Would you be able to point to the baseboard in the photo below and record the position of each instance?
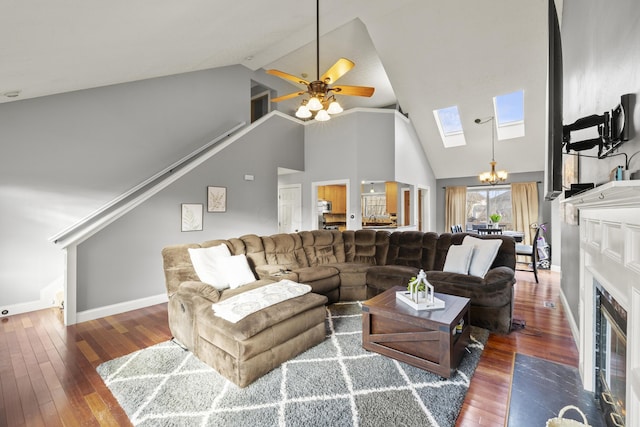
(556, 268)
(110, 310)
(23, 307)
(569, 316)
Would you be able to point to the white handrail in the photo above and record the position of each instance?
(100, 211)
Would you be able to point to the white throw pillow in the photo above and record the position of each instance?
(485, 251)
(236, 270)
(458, 259)
(204, 263)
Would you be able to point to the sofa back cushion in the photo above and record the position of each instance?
(405, 248)
(251, 246)
(429, 248)
(323, 246)
(286, 250)
(360, 246)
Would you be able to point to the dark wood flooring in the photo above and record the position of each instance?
(48, 377)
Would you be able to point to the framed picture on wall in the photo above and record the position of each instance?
(192, 216)
(216, 199)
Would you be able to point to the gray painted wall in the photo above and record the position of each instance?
(601, 61)
(64, 156)
(123, 262)
(360, 146)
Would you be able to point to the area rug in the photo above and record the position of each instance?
(336, 383)
(541, 388)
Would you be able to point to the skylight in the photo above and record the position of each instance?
(450, 126)
(509, 110)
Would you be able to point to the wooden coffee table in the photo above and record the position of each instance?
(427, 339)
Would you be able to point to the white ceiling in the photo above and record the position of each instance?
(423, 54)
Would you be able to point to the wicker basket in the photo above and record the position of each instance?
(559, 421)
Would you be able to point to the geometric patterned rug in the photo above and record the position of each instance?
(336, 383)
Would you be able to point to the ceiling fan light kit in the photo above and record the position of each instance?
(321, 101)
(492, 177)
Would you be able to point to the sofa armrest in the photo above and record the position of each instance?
(192, 289)
(499, 276)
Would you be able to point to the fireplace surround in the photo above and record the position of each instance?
(610, 265)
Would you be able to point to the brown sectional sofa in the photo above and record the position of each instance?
(339, 266)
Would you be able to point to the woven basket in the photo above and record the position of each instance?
(559, 421)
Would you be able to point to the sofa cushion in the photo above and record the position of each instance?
(236, 270)
(385, 277)
(258, 321)
(483, 254)
(323, 246)
(360, 246)
(405, 248)
(207, 268)
(285, 250)
(458, 259)
(312, 274)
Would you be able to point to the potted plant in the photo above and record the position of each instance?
(495, 219)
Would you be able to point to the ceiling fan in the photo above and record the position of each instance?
(322, 95)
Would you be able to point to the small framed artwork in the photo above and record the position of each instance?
(192, 216)
(216, 199)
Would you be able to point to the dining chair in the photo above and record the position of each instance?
(530, 251)
(456, 228)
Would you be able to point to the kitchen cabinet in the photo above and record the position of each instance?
(391, 192)
(337, 195)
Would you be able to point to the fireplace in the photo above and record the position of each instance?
(611, 356)
(608, 328)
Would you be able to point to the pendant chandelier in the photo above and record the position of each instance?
(492, 177)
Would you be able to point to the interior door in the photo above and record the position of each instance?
(290, 208)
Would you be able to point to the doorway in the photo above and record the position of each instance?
(289, 208)
(336, 193)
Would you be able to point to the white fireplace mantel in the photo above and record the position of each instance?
(610, 254)
(613, 194)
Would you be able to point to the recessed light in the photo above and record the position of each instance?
(12, 94)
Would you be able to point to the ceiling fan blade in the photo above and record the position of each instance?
(287, 76)
(289, 96)
(354, 90)
(337, 70)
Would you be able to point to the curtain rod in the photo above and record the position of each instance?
(480, 185)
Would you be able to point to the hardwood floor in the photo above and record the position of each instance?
(48, 377)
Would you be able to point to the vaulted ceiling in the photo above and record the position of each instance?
(422, 55)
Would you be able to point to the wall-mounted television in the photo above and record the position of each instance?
(553, 181)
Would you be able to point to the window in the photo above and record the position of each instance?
(509, 110)
(450, 126)
(484, 201)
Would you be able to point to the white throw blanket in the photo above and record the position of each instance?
(240, 306)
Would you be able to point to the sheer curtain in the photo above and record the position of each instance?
(455, 207)
(524, 205)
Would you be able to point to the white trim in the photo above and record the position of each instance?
(79, 225)
(110, 310)
(24, 307)
(70, 283)
(573, 324)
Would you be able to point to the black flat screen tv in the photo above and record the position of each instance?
(553, 181)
